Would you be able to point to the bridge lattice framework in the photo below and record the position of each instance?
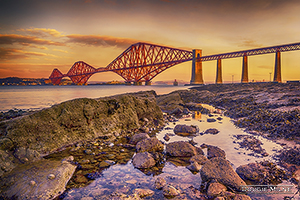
(141, 62)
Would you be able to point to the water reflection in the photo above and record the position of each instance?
(196, 115)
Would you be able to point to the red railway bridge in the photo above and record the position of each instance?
(141, 62)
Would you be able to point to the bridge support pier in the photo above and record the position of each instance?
(219, 72)
(245, 70)
(148, 83)
(137, 83)
(197, 77)
(127, 83)
(277, 73)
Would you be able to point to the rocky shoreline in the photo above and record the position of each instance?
(88, 136)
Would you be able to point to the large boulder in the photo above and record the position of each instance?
(143, 160)
(43, 179)
(138, 137)
(220, 169)
(149, 145)
(262, 173)
(182, 149)
(186, 130)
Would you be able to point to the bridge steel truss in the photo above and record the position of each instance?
(141, 62)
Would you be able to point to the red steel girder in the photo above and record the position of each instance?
(80, 72)
(142, 61)
(56, 77)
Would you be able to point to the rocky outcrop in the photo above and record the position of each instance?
(263, 173)
(220, 169)
(186, 130)
(76, 120)
(43, 179)
(170, 102)
(143, 160)
(182, 149)
(149, 145)
(138, 137)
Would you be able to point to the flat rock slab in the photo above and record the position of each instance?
(43, 179)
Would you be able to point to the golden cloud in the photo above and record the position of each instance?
(26, 40)
(10, 53)
(97, 40)
(42, 32)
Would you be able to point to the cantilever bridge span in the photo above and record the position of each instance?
(141, 62)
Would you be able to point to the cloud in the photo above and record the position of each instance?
(11, 54)
(97, 40)
(42, 32)
(26, 40)
(60, 50)
(249, 43)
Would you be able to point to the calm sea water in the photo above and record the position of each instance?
(37, 97)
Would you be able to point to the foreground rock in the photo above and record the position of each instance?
(170, 191)
(143, 192)
(262, 173)
(143, 160)
(212, 131)
(200, 159)
(214, 189)
(182, 149)
(220, 169)
(77, 120)
(185, 130)
(38, 180)
(138, 137)
(214, 151)
(149, 145)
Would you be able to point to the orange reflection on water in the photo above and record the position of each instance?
(197, 115)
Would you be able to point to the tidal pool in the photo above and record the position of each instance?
(124, 178)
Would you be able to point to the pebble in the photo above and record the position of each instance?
(51, 176)
(32, 183)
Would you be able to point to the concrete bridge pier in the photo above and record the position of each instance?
(148, 83)
(197, 77)
(219, 72)
(245, 70)
(277, 73)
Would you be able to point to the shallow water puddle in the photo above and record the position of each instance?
(125, 178)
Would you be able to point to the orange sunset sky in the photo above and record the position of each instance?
(37, 36)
